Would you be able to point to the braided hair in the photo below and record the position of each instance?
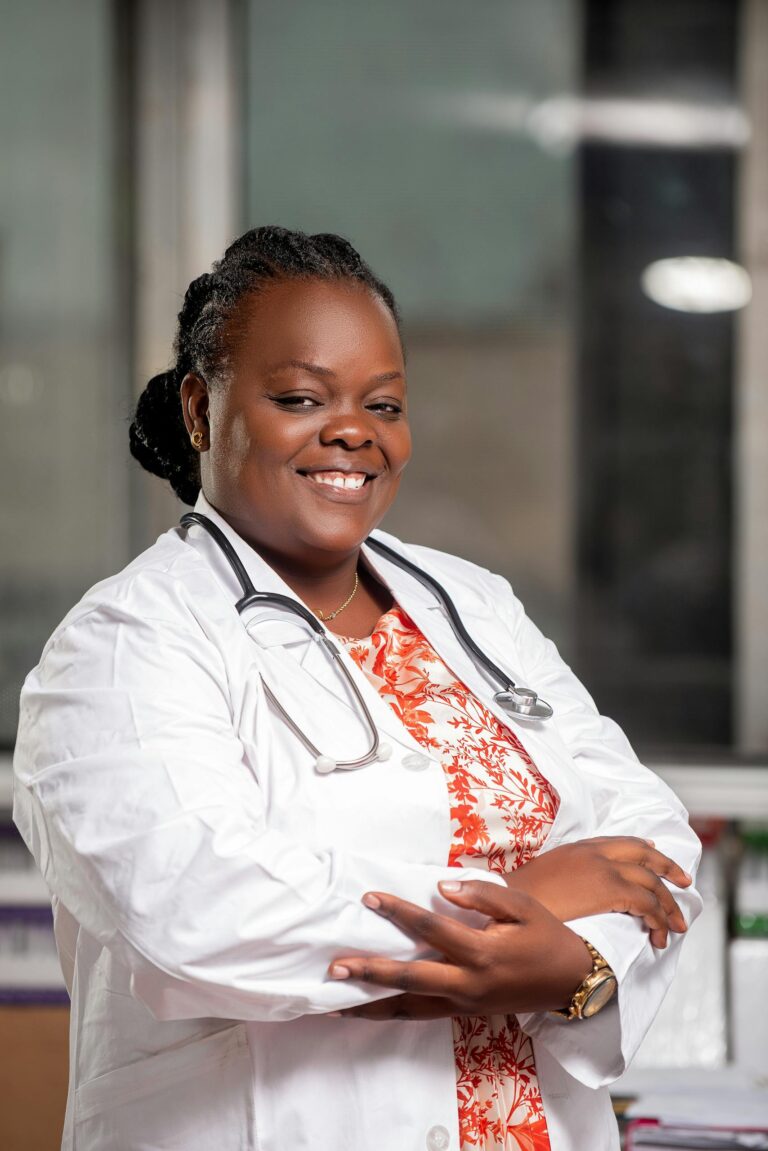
(158, 435)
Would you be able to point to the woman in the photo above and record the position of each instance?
(264, 952)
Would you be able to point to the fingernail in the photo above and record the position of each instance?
(450, 885)
(372, 901)
(651, 842)
(688, 876)
(339, 972)
(333, 1014)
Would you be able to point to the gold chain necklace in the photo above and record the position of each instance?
(325, 616)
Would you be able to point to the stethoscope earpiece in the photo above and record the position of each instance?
(324, 765)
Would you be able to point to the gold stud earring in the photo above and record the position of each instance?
(198, 439)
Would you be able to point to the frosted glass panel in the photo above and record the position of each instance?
(412, 130)
(63, 391)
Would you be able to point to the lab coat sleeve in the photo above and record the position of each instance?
(132, 792)
(628, 799)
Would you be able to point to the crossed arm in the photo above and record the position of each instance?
(524, 959)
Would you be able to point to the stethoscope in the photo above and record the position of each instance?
(521, 702)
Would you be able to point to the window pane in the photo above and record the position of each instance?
(568, 432)
(63, 388)
(423, 134)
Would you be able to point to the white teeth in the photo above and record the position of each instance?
(338, 480)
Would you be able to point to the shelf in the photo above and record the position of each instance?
(24, 888)
(6, 783)
(720, 790)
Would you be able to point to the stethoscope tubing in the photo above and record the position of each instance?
(521, 701)
(251, 596)
(465, 639)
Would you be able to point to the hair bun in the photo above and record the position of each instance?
(158, 436)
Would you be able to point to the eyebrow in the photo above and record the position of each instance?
(328, 373)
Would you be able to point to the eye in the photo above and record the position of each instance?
(386, 408)
(300, 403)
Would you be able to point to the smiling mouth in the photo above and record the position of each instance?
(340, 481)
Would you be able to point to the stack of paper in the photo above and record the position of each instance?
(708, 1118)
(643, 1133)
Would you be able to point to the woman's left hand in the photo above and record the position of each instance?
(523, 959)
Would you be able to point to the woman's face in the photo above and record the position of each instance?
(308, 434)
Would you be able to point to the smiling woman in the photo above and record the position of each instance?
(292, 381)
(303, 458)
(457, 945)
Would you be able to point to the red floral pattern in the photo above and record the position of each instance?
(501, 813)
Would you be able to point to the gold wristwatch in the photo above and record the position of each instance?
(594, 992)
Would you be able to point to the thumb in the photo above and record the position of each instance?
(493, 900)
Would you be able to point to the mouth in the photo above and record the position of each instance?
(338, 484)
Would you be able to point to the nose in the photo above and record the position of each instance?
(350, 429)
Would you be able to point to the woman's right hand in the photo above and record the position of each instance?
(608, 873)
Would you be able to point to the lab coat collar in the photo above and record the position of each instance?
(405, 588)
(290, 642)
(263, 577)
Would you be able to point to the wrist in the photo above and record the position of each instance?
(569, 966)
(594, 992)
(517, 881)
(577, 965)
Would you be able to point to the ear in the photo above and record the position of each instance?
(194, 402)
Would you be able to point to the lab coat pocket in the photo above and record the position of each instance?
(196, 1096)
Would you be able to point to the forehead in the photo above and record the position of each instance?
(335, 323)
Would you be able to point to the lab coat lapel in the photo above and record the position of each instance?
(540, 740)
(299, 668)
(430, 617)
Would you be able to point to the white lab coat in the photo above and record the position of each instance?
(204, 875)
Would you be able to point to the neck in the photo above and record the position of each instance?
(323, 580)
(321, 591)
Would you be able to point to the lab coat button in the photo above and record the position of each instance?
(438, 1138)
(416, 762)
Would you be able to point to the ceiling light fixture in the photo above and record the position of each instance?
(697, 284)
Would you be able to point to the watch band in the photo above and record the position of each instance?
(594, 991)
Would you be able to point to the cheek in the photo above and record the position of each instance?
(234, 447)
(399, 456)
(402, 452)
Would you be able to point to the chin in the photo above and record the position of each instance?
(339, 543)
(339, 538)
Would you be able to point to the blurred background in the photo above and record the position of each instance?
(569, 199)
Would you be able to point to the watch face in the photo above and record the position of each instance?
(599, 996)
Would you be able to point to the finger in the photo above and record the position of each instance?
(499, 903)
(671, 909)
(404, 1007)
(423, 976)
(455, 940)
(635, 850)
(659, 939)
(637, 900)
(667, 868)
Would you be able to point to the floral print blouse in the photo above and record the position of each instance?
(501, 813)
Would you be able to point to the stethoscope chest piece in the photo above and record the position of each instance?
(524, 703)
